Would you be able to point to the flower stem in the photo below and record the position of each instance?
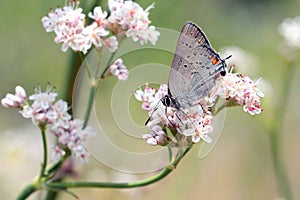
(90, 102)
(93, 85)
(73, 68)
(107, 65)
(28, 190)
(44, 164)
(275, 135)
(167, 170)
(87, 67)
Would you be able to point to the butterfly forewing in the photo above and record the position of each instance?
(207, 66)
(193, 71)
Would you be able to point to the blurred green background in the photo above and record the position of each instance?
(240, 166)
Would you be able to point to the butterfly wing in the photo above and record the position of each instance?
(194, 71)
(179, 80)
(193, 68)
(207, 67)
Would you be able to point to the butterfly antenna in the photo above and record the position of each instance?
(228, 57)
(149, 118)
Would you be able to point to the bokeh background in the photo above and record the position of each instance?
(239, 167)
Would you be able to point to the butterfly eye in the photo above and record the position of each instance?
(223, 73)
(168, 102)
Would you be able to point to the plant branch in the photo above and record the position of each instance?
(167, 170)
(45, 149)
(28, 190)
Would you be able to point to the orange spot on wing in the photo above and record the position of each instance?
(215, 60)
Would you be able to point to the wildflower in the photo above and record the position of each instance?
(156, 137)
(92, 35)
(72, 138)
(41, 106)
(42, 100)
(111, 43)
(195, 122)
(15, 101)
(119, 70)
(56, 153)
(58, 115)
(99, 16)
(191, 122)
(68, 24)
(133, 19)
(240, 90)
(55, 117)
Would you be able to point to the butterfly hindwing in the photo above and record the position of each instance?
(193, 71)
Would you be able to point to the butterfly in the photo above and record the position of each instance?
(195, 69)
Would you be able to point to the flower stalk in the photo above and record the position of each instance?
(45, 149)
(27, 191)
(167, 170)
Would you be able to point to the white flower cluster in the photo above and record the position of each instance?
(240, 90)
(196, 121)
(192, 122)
(119, 70)
(44, 111)
(68, 23)
(133, 19)
(290, 30)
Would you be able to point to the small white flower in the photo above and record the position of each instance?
(15, 101)
(191, 122)
(73, 136)
(119, 70)
(56, 153)
(133, 19)
(241, 90)
(68, 24)
(156, 137)
(141, 95)
(60, 116)
(98, 15)
(42, 100)
(111, 43)
(93, 34)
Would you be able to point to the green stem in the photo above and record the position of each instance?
(107, 65)
(44, 164)
(167, 170)
(90, 102)
(87, 67)
(28, 190)
(94, 84)
(73, 68)
(275, 135)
